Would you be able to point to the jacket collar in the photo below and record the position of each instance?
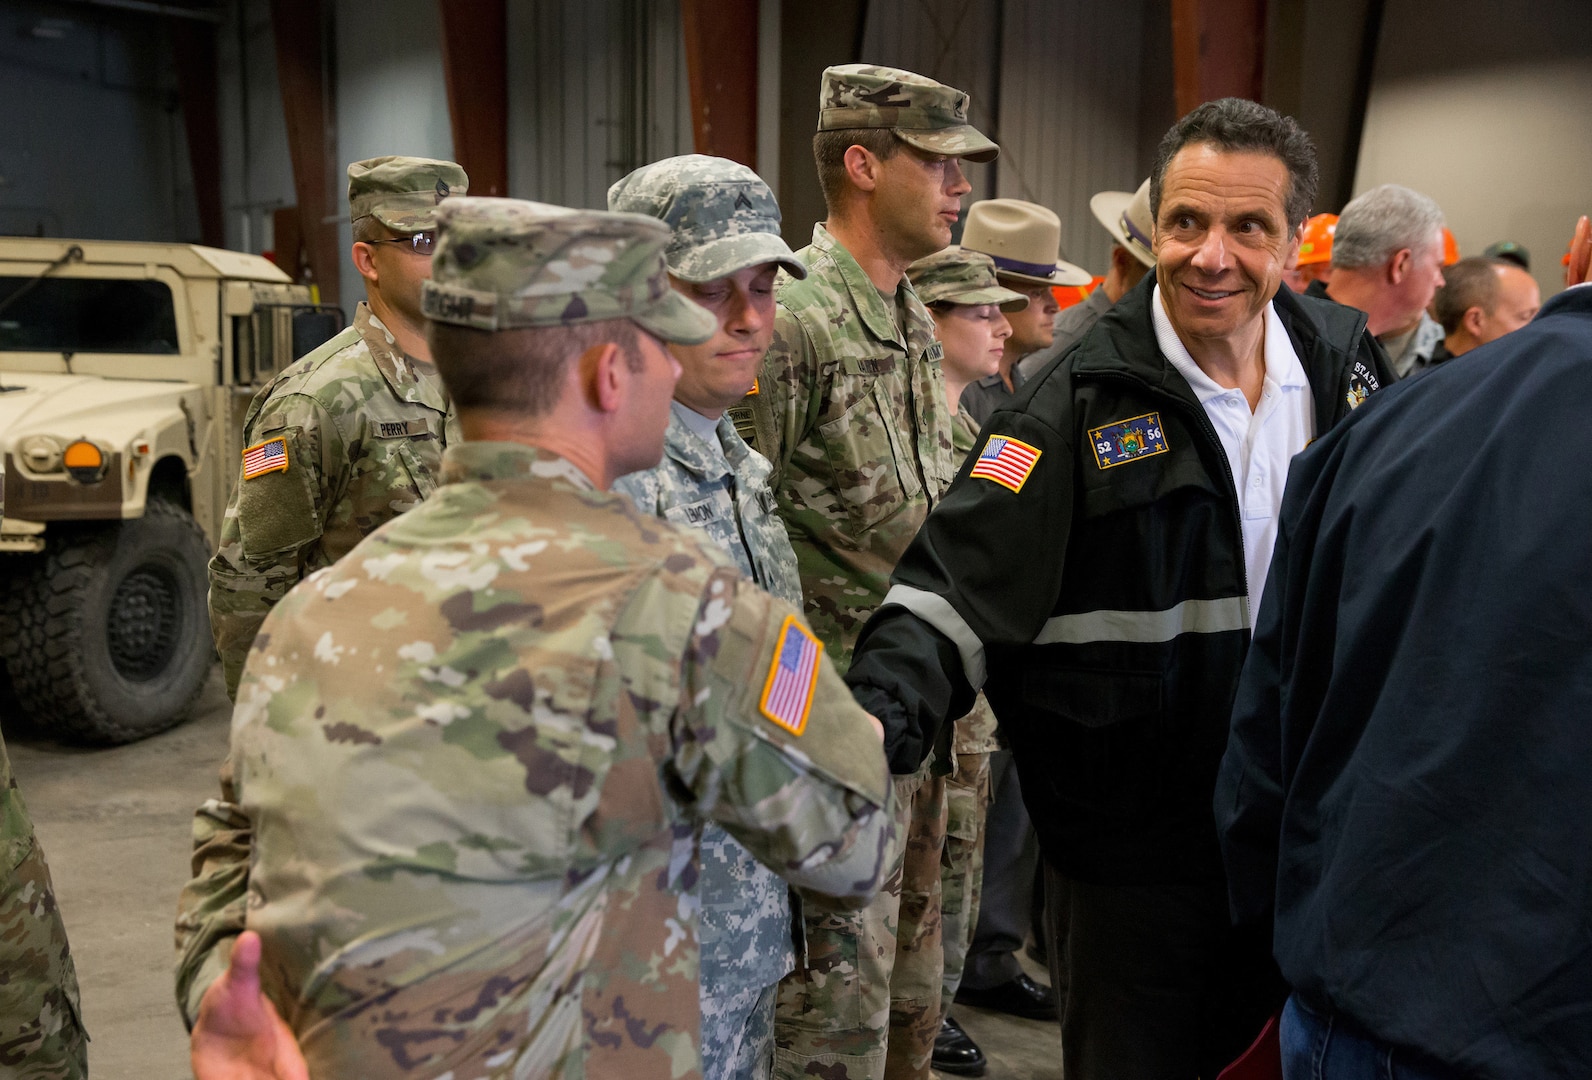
(486, 461)
(865, 297)
(409, 379)
(1577, 299)
(1325, 336)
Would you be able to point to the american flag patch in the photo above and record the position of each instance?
(788, 693)
(267, 457)
(1007, 461)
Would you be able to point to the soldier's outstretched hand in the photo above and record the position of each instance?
(239, 1035)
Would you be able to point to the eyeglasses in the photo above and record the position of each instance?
(421, 242)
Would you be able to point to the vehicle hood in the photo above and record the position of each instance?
(84, 406)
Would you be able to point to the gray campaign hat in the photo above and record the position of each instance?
(721, 215)
(402, 193)
(502, 264)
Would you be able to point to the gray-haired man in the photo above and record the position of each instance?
(724, 253)
(1387, 260)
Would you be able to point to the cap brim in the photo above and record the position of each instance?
(993, 294)
(676, 319)
(1066, 274)
(1108, 208)
(407, 221)
(729, 254)
(963, 140)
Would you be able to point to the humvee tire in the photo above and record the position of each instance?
(109, 631)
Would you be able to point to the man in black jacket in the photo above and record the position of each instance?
(1093, 569)
(1405, 791)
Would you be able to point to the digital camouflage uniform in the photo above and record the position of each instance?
(850, 409)
(362, 427)
(41, 1033)
(722, 219)
(746, 912)
(961, 276)
(549, 691)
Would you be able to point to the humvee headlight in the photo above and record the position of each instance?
(84, 461)
(41, 453)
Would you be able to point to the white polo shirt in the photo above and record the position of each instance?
(1259, 444)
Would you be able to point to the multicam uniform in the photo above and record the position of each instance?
(548, 689)
(41, 1035)
(360, 428)
(746, 916)
(851, 410)
(475, 751)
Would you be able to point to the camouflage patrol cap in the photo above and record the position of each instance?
(722, 216)
(402, 192)
(503, 264)
(928, 115)
(956, 275)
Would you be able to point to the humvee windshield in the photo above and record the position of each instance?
(85, 315)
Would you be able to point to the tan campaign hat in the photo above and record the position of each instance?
(956, 275)
(928, 115)
(1127, 217)
(502, 264)
(1024, 239)
(402, 192)
(722, 216)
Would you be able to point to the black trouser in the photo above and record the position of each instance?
(1152, 982)
(1011, 866)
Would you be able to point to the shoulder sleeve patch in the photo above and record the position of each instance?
(788, 690)
(1006, 461)
(267, 457)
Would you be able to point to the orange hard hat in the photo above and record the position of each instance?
(1316, 247)
(1450, 248)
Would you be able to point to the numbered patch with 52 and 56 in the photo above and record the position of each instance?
(1128, 440)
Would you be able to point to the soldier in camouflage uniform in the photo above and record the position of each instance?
(475, 752)
(968, 303)
(41, 1035)
(352, 434)
(723, 254)
(850, 410)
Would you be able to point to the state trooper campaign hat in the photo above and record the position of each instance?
(1024, 239)
(1127, 217)
(923, 113)
(503, 264)
(402, 193)
(956, 275)
(721, 216)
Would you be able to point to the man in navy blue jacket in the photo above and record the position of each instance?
(1407, 790)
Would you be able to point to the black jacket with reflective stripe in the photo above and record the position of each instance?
(1108, 603)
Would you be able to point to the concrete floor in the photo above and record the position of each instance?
(115, 826)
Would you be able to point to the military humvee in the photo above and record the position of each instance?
(125, 372)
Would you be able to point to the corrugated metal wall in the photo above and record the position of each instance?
(596, 88)
(1055, 82)
(953, 41)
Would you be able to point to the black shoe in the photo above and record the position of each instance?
(1021, 997)
(955, 1053)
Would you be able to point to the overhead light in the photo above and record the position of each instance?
(51, 29)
